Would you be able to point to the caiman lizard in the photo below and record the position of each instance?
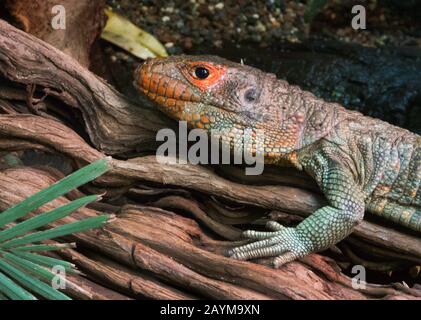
(360, 163)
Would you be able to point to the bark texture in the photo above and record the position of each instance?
(71, 26)
(173, 222)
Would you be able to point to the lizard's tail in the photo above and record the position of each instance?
(409, 217)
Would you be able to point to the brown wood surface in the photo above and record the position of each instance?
(173, 223)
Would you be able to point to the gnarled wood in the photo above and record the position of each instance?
(149, 239)
(149, 252)
(114, 124)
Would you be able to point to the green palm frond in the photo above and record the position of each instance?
(26, 274)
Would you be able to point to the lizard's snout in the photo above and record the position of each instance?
(140, 73)
(159, 85)
(147, 79)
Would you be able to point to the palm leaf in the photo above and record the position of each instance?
(45, 218)
(46, 247)
(25, 275)
(32, 268)
(32, 283)
(12, 290)
(54, 191)
(59, 231)
(45, 261)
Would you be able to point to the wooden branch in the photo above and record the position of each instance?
(114, 124)
(135, 283)
(144, 238)
(59, 137)
(165, 255)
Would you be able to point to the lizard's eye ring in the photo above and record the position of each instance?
(201, 73)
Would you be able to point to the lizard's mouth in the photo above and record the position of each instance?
(165, 90)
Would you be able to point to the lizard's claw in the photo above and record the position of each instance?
(282, 242)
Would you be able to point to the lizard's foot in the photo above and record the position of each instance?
(282, 242)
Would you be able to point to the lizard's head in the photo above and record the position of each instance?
(216, 94)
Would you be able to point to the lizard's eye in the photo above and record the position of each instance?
(201, 73)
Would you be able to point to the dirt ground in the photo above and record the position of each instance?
(183, 24)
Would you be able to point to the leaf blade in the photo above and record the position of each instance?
(30, 267)
(45, 261)
(45, 218)
(55, 190)
(12, 290)
(74, 227)
(32, 283)
(46, 247)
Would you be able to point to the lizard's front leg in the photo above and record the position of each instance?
(325, 227)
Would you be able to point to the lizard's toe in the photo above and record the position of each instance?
(260, 252)
(257, 235)
(283, 243)
(285, 258)
(253, 246)
(274, 226)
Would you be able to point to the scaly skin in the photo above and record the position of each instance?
(360, 163)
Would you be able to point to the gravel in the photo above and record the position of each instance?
(185, 24)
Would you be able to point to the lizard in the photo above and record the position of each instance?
(359, 163)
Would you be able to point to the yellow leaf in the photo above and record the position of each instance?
(128, 36)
